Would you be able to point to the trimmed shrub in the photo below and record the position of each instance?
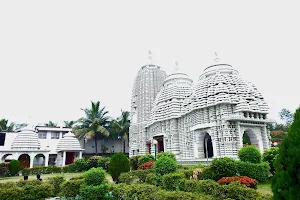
(41, 170)
(269, 156)
(188, 174)
(222, 167)
(151, 179)
(71, 188)
(14, 167)
(103, 162)
(150, 192)
(77, 177)
(244, 180)
(168, 154)
(136, 176)
(93, 161)
(249, 154)
(94, 176)
(145, 158)
(41, 191)
(56, 182)
(118, 163)
(165, 165)
(134, 162)
(171, 181)
(6, 185)
(4, 169)
(94, 192)
(147, 165)
(72, 168)
(22, 183)
(260, 171)
(11, 193)
(65, 169)
(81, 165)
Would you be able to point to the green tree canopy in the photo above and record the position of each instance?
(94, 125)
(10, 127)
(51, 124)
(286, 181)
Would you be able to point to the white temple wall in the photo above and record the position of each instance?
(112, 145)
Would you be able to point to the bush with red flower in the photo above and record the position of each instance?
(147, 165)
(244, 180)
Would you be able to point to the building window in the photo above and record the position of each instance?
(54, 135)
(42, 135)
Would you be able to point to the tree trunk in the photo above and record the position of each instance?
(96, 152)
(124, 143)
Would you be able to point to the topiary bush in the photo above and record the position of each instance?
(14, 167)
(222, 167)
(249, 154)
(134, 162)
(151, 179)
(103, 162)
(119, 163)
(71, 188)
(94, 176)
(56, 182)
(165, 165)
(94, 192)
(93, 161)
(260, 171)
(41, 191)
(145, 158)
(135, 176)
(168, 154)
(171, 181)
(269, 156)
(81, 165)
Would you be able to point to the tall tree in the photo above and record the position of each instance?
(51, 124)
(286, 116)
(69, 124)
(286, 181)
(121, 127)
(4, 126)
(94, 125)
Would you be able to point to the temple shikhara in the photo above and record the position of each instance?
(212, 118)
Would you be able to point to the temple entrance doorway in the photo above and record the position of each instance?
(39, 160)
(208, 146)
(160, 143)
(24, 160)
(250, 138)
(69, 158)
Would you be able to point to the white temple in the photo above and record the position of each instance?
(196, 122)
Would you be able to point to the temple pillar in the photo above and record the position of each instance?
(80, 154)
(64, 158)
(31, 157)
(46, 160)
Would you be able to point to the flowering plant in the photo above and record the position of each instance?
(147, 165)
(244, 180)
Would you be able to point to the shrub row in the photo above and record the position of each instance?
(135, 176)
(150, 192)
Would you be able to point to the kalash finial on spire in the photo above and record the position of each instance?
(217, 59)
(150, 57)
(176, 66)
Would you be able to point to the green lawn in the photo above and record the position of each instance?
(265, 188)
(43, 176)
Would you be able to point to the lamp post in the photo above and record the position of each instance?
(154, 143)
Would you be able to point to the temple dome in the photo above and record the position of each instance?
(220, 84)
(69, 143)
(27, 139)
(176, 87)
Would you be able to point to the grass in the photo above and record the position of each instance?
(43, 176)
(265, 187)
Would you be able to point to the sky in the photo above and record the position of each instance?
(57, 56)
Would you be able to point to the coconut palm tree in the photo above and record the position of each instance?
(121, 127)
(4, 126)
(69, 124)
(51, 124)
(94, 125)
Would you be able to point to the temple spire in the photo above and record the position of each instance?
(150, 57)
(216, 59)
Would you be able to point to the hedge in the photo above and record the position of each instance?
(233, 190)
(222, 167)
(150, 192)
(136, 176)
(260, 171)
(56, 182)
(41, 170)
(145, 158)
(94, 176)
(94, 192)
(4, 169)
(71, 188)
(171, 181)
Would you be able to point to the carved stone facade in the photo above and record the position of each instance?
(201, 121)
